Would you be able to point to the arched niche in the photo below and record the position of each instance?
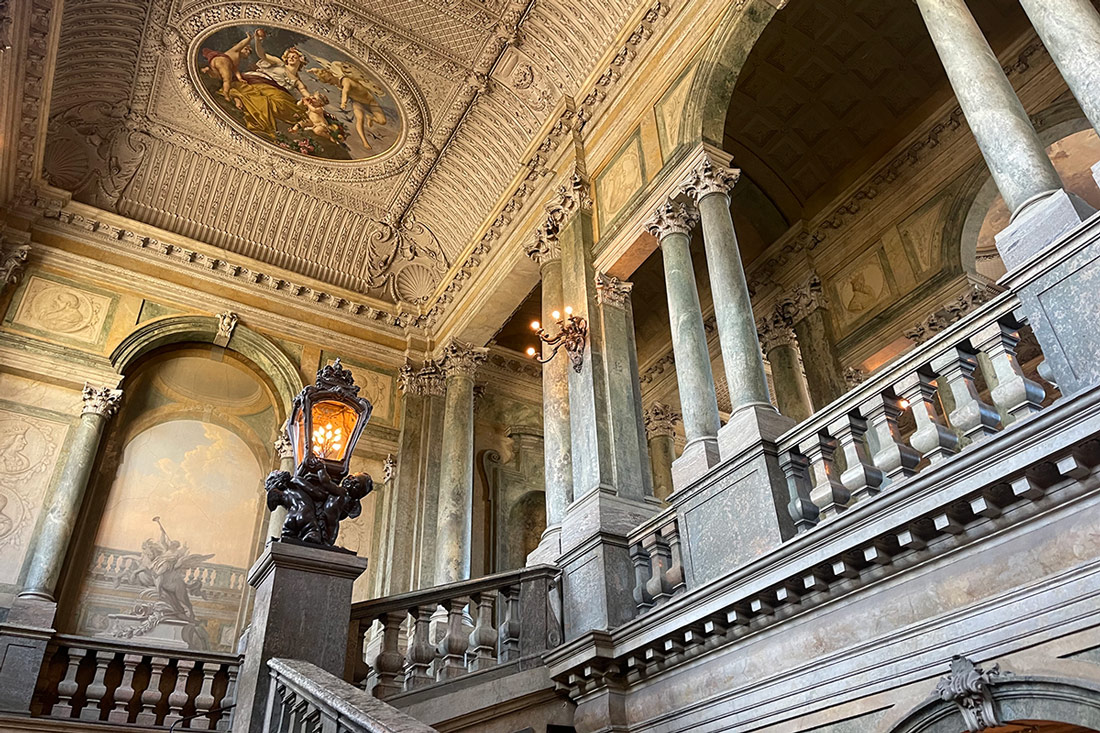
(152, 335)
(1047, 703)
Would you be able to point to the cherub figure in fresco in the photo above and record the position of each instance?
(356, 88)
(315, 117)
(226, 65)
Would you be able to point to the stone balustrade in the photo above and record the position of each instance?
(448, 631)
(118, 682)
(306, 699)
(658, 562)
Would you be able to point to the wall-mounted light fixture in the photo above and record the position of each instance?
(572, 334)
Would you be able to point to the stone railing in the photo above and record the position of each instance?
(452, 630)
(118, 682)
(306, 699)
(924, 408)
(658, 563)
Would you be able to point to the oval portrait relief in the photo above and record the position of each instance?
(298, 93)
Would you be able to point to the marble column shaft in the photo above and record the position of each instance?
(745, 376)
(1070, 30)
(456, 478)
(1012, 150)
(672, 225)
(55, 533)
(804, 311)
(781, 348)
(660, 423)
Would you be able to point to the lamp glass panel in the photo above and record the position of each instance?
(333, 427)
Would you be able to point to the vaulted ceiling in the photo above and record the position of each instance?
(448, 93)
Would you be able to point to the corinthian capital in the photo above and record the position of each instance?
(13, 261)
(660, 420)
(709, 178)
(544, 246)
(568, 198)
(612, 291)
(774, 331)
(458, 357)
(671, 218)
(427, 381)
(803, 301)
(103, 401)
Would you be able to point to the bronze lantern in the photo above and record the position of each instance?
(326, 420)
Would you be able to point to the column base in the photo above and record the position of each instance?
(1038, 223)
(302, 611)
(748, 427)
(698, 457)
(549, 548)
(24, 636)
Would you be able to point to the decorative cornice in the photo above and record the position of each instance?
(971, 689)
(978, 294)
(612, 291)
(660, 420)
(427, 381)
(460, 358)
(671, 218)
(227, 323)
(102, 401)
(803, 301)
(709, 178)
(774, 331)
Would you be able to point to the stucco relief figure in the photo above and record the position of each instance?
(257, 76)
(161, 569)
(315, 503)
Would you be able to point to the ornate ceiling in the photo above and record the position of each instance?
(179, 113)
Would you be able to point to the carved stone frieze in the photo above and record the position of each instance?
(976, 295)
(612, 291)
(103, 401)
(458, 358)
(671, 218)
(709, 178)
(661, 420)
(970, 688)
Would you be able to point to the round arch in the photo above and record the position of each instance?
(151, 335)
(1015, 698)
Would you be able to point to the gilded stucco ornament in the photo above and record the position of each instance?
(102, 401)
(671, 218)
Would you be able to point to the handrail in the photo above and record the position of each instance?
(128, 646)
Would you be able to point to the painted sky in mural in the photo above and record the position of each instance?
(298, 93)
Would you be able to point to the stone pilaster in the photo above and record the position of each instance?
(458, 361)
(780, 347)
(284, 452)
(660, 426)
(610, 480)
(672, 225)
(558, 455)
(1032, 189)
(804, 310)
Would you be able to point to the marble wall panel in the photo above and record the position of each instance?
(669, 109)
(620, 180)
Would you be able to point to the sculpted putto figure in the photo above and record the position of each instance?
(315, 504)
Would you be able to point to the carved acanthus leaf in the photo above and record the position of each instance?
(971, 689)
(709, 178)
(803, 301)
(460, 358)
(612, 291)
(102, 401)
(671, 218)
(660, 420)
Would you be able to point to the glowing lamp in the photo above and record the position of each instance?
(326, 420)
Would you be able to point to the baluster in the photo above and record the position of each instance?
(483, 639)
(862, 479)
(932, 439)
(510, 628)
(1015, 395)
(674, 576)
(68, 686)
(802, 510)
(178, 697)
(151, 696)
(972, 419)
(97, 690)
(390, 661)
(120, 712)
(659, 559)
(204, 701)
(225, 722)
(829, 495)
(894, 458)
(420, 653)
(453, 645)
(640, 559)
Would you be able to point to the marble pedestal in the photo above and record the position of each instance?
(739, 511)
(302, 611)
(23, 639)
(1038, 224)
(549, 548)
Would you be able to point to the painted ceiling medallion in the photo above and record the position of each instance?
(297, 93)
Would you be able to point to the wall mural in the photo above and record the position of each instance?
(298, 93)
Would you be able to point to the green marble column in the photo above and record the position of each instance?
(804, 310)
(660, 425)
(52, 541)
(672, 225)
(780, 346)
(454, 519)
(558, 453)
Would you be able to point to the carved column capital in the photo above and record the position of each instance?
(803, 301)
(612, 291)
(13, 261)
(774, 331)
(427, 381)
(460, 358)
(283, 449)
(567, 199)
(102, 401)
(708, 178)
(660, 420)
(671, 218)
(544, 246)
(389, 468)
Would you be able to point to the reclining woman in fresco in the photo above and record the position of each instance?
(354, 86)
